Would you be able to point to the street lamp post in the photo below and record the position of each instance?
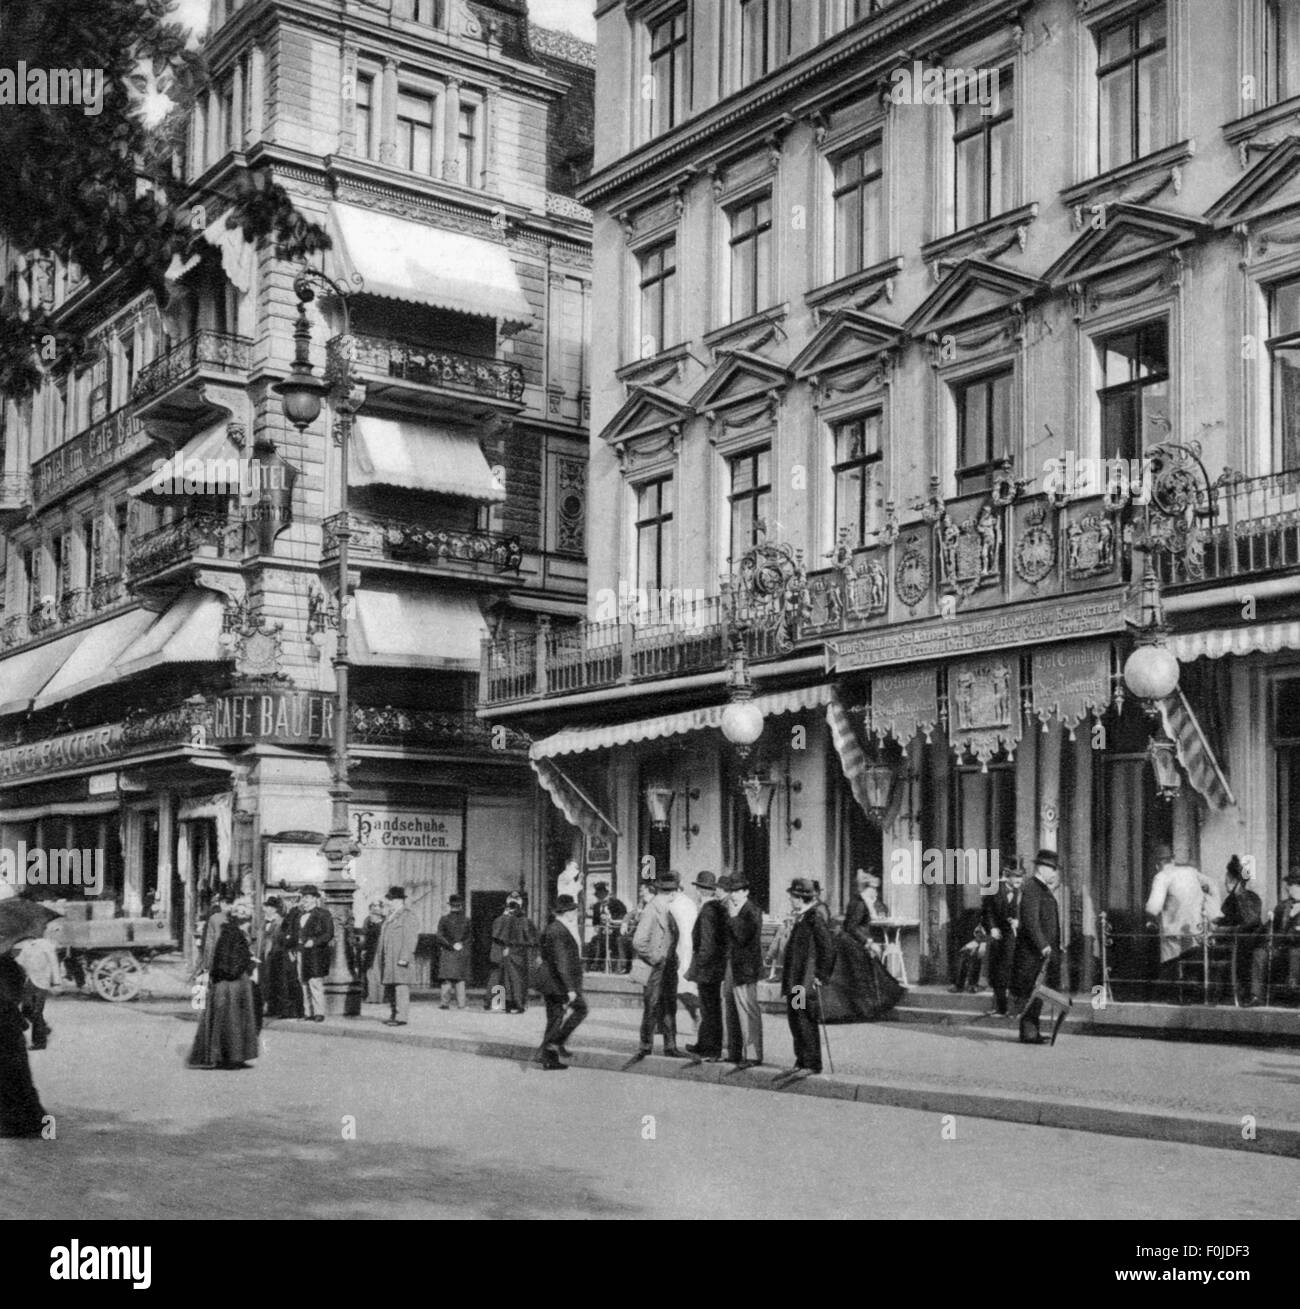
(303, 394)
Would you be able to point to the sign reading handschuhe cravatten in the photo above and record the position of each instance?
(408, 829)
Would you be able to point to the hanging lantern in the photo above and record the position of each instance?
(878, 779)
(1151, 673)
(742, 725)
(758, 792)
(659, 798)
(1164, 763)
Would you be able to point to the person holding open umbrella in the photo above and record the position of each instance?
(21, 1114)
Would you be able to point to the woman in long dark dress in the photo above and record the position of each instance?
(20, 1107)
(860, 987)
(277, 976)
(227, 1035)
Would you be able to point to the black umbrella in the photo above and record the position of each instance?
(22, 920)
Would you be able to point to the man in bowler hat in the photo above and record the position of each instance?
(655, 943)
(560, 981)
(808, 957)
(396, 962)
(1000, 915)
(709, 965)
(1038, 942)
(742, 1016)
(453, 938)
(311, 938)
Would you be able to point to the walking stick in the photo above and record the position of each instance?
(821, 1015)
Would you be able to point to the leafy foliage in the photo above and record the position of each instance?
(98, 189)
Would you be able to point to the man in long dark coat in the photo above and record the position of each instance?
(808, 956)
(21, 1113)
(561, 983)
(513, 940)
(453, 940)
(742, 1016)
(709, 965)
(1038, 942)
(1000, 915)
(398, 940)
(311, 937)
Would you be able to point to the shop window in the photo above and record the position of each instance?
(1134, 396)
(1133, 87)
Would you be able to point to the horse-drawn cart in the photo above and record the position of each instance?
(110, 952)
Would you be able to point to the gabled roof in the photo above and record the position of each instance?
(1130, 233)
(848, 337)
(740, 375)
(1271, 183)
(974, 289)
(648, 409)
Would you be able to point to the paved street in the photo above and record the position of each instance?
(441, 1134)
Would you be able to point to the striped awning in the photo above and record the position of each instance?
(577, 740)
(1194, 752)
(853, 759)
(1259, 638)
(572, 801)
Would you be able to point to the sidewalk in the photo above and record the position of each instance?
(1232, 1097)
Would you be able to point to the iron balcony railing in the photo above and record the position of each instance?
(402, 541)
(426, 728)
(75, 606)
(1249, 527)
(219, 351)
(177, 542)
(445, 370)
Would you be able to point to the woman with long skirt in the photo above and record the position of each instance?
(277, 976)
(20, 1107)
(227, 1035)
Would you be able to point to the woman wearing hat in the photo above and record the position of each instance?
(1241, 917)
(276, 974)
(227, 1035)
(20, 1107)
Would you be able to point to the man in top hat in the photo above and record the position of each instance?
(1000, 916)
(1038, 942)
(513, 940)
(1284, 928)
(453, 952)
(560, 982)
(808, 958)
(311, 938)
(709, 965)
(1179, 907)
(742, 1018)
(396, 962)
(655, 943)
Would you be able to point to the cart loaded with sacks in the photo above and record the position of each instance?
(109, 951)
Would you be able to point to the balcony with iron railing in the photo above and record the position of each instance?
(426, 547)
(52, 615)
(177, 545)
(384, 725)
(1246, 527)
(167, 387)
(403, 371)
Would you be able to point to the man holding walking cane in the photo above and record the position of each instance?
(808, 957)
(560, 982)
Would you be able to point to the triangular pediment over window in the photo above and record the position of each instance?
(974, 289)
(847, 338)
(648, 411)
(740, 376)
(1271, 184)
(1127, 234)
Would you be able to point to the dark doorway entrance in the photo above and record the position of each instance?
(485, 907)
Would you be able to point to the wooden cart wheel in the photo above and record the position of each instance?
(117, 977)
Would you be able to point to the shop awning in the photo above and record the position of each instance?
(210, 464)
(404, 260)
(420, 457)
(419, 630)
(1194, 751)
(91, 664)
(24, 675)
(238, 256)
(853, 759)
(571, 800)
(59, 809)
(577, 740)
(187, 633)
(1259, 638)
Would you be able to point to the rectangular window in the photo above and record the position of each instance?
(1134, 394)
(658, 287)
(568, 337)
(27, 580)
(751, 257)
(983, 429)
(750, 500)
(859, 209)
(1284, 354)
(669, 75)
(467, 145)
(225, 116)
(62, 552)
(1133, 88)
(429, 11)
(415, 132)
(121, 536)
(857, 479)
(983, 154)
(654, 515)
(87, 535)
(366, 117)
(1282, 50)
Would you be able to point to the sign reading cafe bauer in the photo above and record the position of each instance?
(286, 716)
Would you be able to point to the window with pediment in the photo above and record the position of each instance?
(1284, 360)
(1134, 397)
(654, 541)
(750, 497)
(657, 290)
(856, 469)
(984, 427)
